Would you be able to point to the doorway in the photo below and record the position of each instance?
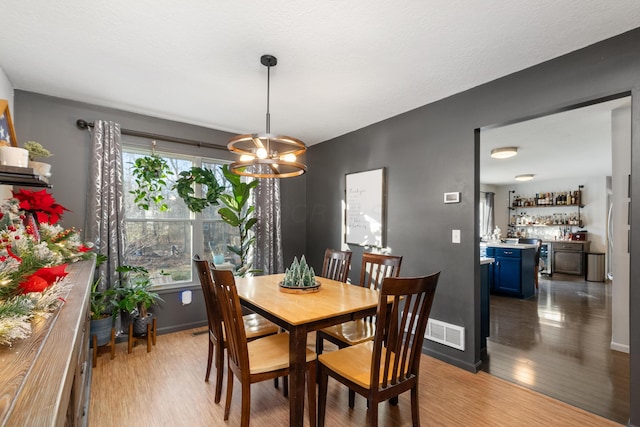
(562, 151)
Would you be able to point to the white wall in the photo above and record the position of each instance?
(621, 143)
(593, 215)
(6, 90)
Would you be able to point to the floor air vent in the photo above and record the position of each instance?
(445, 333)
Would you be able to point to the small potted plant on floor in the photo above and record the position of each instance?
(37, 151)
(135, 296)
(104, 307)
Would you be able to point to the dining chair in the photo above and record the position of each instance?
(389, 365)
(255, 326)
(375, 267)
(336, 265)
(258, 360)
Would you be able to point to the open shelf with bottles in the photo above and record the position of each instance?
(533, 211)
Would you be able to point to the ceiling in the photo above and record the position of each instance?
(574, 143)
(342, 64)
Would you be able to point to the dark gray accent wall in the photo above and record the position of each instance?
(433, 149)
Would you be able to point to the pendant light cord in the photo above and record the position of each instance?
(268, 90)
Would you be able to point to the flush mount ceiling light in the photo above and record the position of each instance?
(504, 152)
(265, 155)
(525, 177)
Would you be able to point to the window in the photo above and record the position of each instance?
(165, 242)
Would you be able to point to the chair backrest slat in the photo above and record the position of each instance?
(214, 316)
(227, 294)
(400, 329)
(336, 265)
(375, 267)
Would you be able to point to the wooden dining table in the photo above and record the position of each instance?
(300, 314)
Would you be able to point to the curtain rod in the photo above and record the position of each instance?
(83, 124)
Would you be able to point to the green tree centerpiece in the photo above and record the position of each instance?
(299, 277)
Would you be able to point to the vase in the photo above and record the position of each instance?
(101, 328)
(140, 325)
(40, 168)
(14, 156)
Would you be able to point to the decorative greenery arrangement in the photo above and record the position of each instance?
(150, 174)
(202, 176)
(134, 293)
(33, 259)
(36, 150)
(238, 214)
(299, 275)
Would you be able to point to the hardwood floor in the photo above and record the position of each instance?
(166, 388)
(557, 343)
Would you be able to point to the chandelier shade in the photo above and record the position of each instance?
(266, 155)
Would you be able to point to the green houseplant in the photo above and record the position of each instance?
(135, 296)
(239, 213)
(104, 308)
(150, 174)
(37, 151)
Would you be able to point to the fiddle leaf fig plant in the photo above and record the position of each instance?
(150, 174)
(237, 213)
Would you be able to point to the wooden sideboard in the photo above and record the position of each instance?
(45, 379)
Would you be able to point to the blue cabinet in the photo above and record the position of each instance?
(513, 271)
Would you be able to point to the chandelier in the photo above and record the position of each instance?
(265, 155)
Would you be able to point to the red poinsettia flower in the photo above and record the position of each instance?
(83, 248)
(51, 274)
(40, 203)
(33, 284)
(42, 279)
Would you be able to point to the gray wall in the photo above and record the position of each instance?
(52, 122)
(433, 149)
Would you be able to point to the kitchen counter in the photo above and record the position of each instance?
(486, 260)
(509, 245)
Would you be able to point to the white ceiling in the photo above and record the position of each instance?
(342, 64)
(574, 143)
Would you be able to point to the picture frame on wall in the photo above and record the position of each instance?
(7, 132)
(365, 208)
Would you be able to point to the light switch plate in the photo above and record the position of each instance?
(453, 197)
(455, 236)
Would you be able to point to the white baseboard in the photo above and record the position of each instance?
(624, 348)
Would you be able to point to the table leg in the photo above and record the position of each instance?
(297, 370)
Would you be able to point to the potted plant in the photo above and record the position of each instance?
(104, 308)
(135, 296)
(238, 213)
(37, 151)
(150, 174)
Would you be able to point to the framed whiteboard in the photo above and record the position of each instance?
(365, 201)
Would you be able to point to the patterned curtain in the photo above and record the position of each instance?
(105, 199)
(268, 250)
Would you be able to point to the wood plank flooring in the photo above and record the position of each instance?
(166, 388)
(557, 343)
